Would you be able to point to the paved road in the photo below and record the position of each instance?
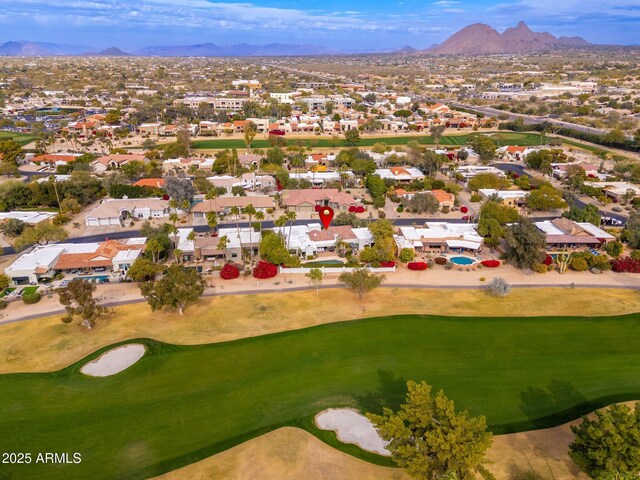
(528, 119)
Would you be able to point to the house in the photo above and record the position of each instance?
(469, 171)
(319, 179)
(224, 204)
(308, 240)
(114, 161)
(514, 153)
(562, 233)
(54, 160)
(400, 174)
(176, 165)
(150, 182)
(306, 200)
(239, 240)
(150, 129)
(559, 170)
(446, 200)
(31, 218)
(44, 261)
(439, 237)
(511, 198)
(617, 191)
(116, 211)
(250, 159)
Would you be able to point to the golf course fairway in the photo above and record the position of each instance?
(180, 404)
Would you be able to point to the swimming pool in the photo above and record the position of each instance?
(95, 278)
(460, 260)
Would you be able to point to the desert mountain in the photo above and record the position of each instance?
(39, 49)
(483, 39)
(240, 50)
(113, 52)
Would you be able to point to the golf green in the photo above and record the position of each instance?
(180, 404)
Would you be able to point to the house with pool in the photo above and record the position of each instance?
(562, 234)
(440, 238)
(92, 261)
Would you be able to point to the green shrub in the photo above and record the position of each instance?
(601, 262)
(540, 268)
(3, 304)
(614, 248)
(407, 255)
(635, 255)
(400, 209)
(476, 197)
(579, 264)
(31, 298)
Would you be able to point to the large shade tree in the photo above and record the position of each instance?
(431, 440)
(179, 287)
(525, 244)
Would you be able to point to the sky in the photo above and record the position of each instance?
(337, 24)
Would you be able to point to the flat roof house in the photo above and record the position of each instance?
(438, 237)
(562, 233)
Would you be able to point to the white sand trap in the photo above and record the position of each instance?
(352, 427)
(114, 361)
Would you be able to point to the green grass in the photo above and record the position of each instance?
(4, 293)
(323, 263)
(503, 138)
(180, 404)
(21, 138)
(29, 290)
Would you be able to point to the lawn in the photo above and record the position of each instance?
(21, 138)
(502, 138)
(323, 264)
(180, 404)
(29, 290)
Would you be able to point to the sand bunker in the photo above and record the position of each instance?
(114, 361)
(352, 427)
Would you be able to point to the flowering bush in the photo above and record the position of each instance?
(352, 209)
(491, 263)
(548, 260)
(417, 266)
(390, 264)
(229, 272)
(626, 264)
(265, 270)
(464, 209)
(360, 209)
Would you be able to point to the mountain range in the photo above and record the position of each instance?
(479, 38)
(475, 39)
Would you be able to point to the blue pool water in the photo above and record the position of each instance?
(96, 278)
(462, 260)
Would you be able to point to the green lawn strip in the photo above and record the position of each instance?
(21, 138)
(180, 404)
(321, 264)
(6, 292)
(503, 138)
(29, 290)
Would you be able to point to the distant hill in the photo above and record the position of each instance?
(480, 39)
(39, 49)
(406, 49)
(239, 50)
(113, 52)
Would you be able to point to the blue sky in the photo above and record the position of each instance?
(352, 25)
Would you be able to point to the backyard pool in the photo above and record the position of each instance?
(95, 278)
(461, 260)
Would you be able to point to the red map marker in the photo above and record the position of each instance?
(326, 215)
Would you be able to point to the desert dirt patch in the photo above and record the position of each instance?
(114, 361)
(46, 344)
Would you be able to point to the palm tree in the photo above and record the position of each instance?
(177, 254)
(260, 218)
(173, 230)
(212, 220)
(236, 211)
(341, 247)
(210, 195)
(291, 216)
(280, 222)
(154, 247)
(250, 211)
(173, 218)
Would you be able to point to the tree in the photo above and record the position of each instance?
(179, 189)
(361, 281)
(143, 270)
(179, 287)
(499, 287)
(4, 282)
(77, 299)
(250, 211)
(631, 233)
(12, 227)
(608, 447)
(212, 219)
(525, 244)
(155, 248)
(250, 131)
(545, 197)
(589, 213)
(378, 189)
(614, 249)
(493, 217)
(352, 136)
(436, 132)
(487, 180)
(41, 234)
(315, 277)
(423, 202)
(407, 255)
(70, 205)
(273, 250)
(431, 440)
(384, 247)
(431, 161)
(484, 147)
